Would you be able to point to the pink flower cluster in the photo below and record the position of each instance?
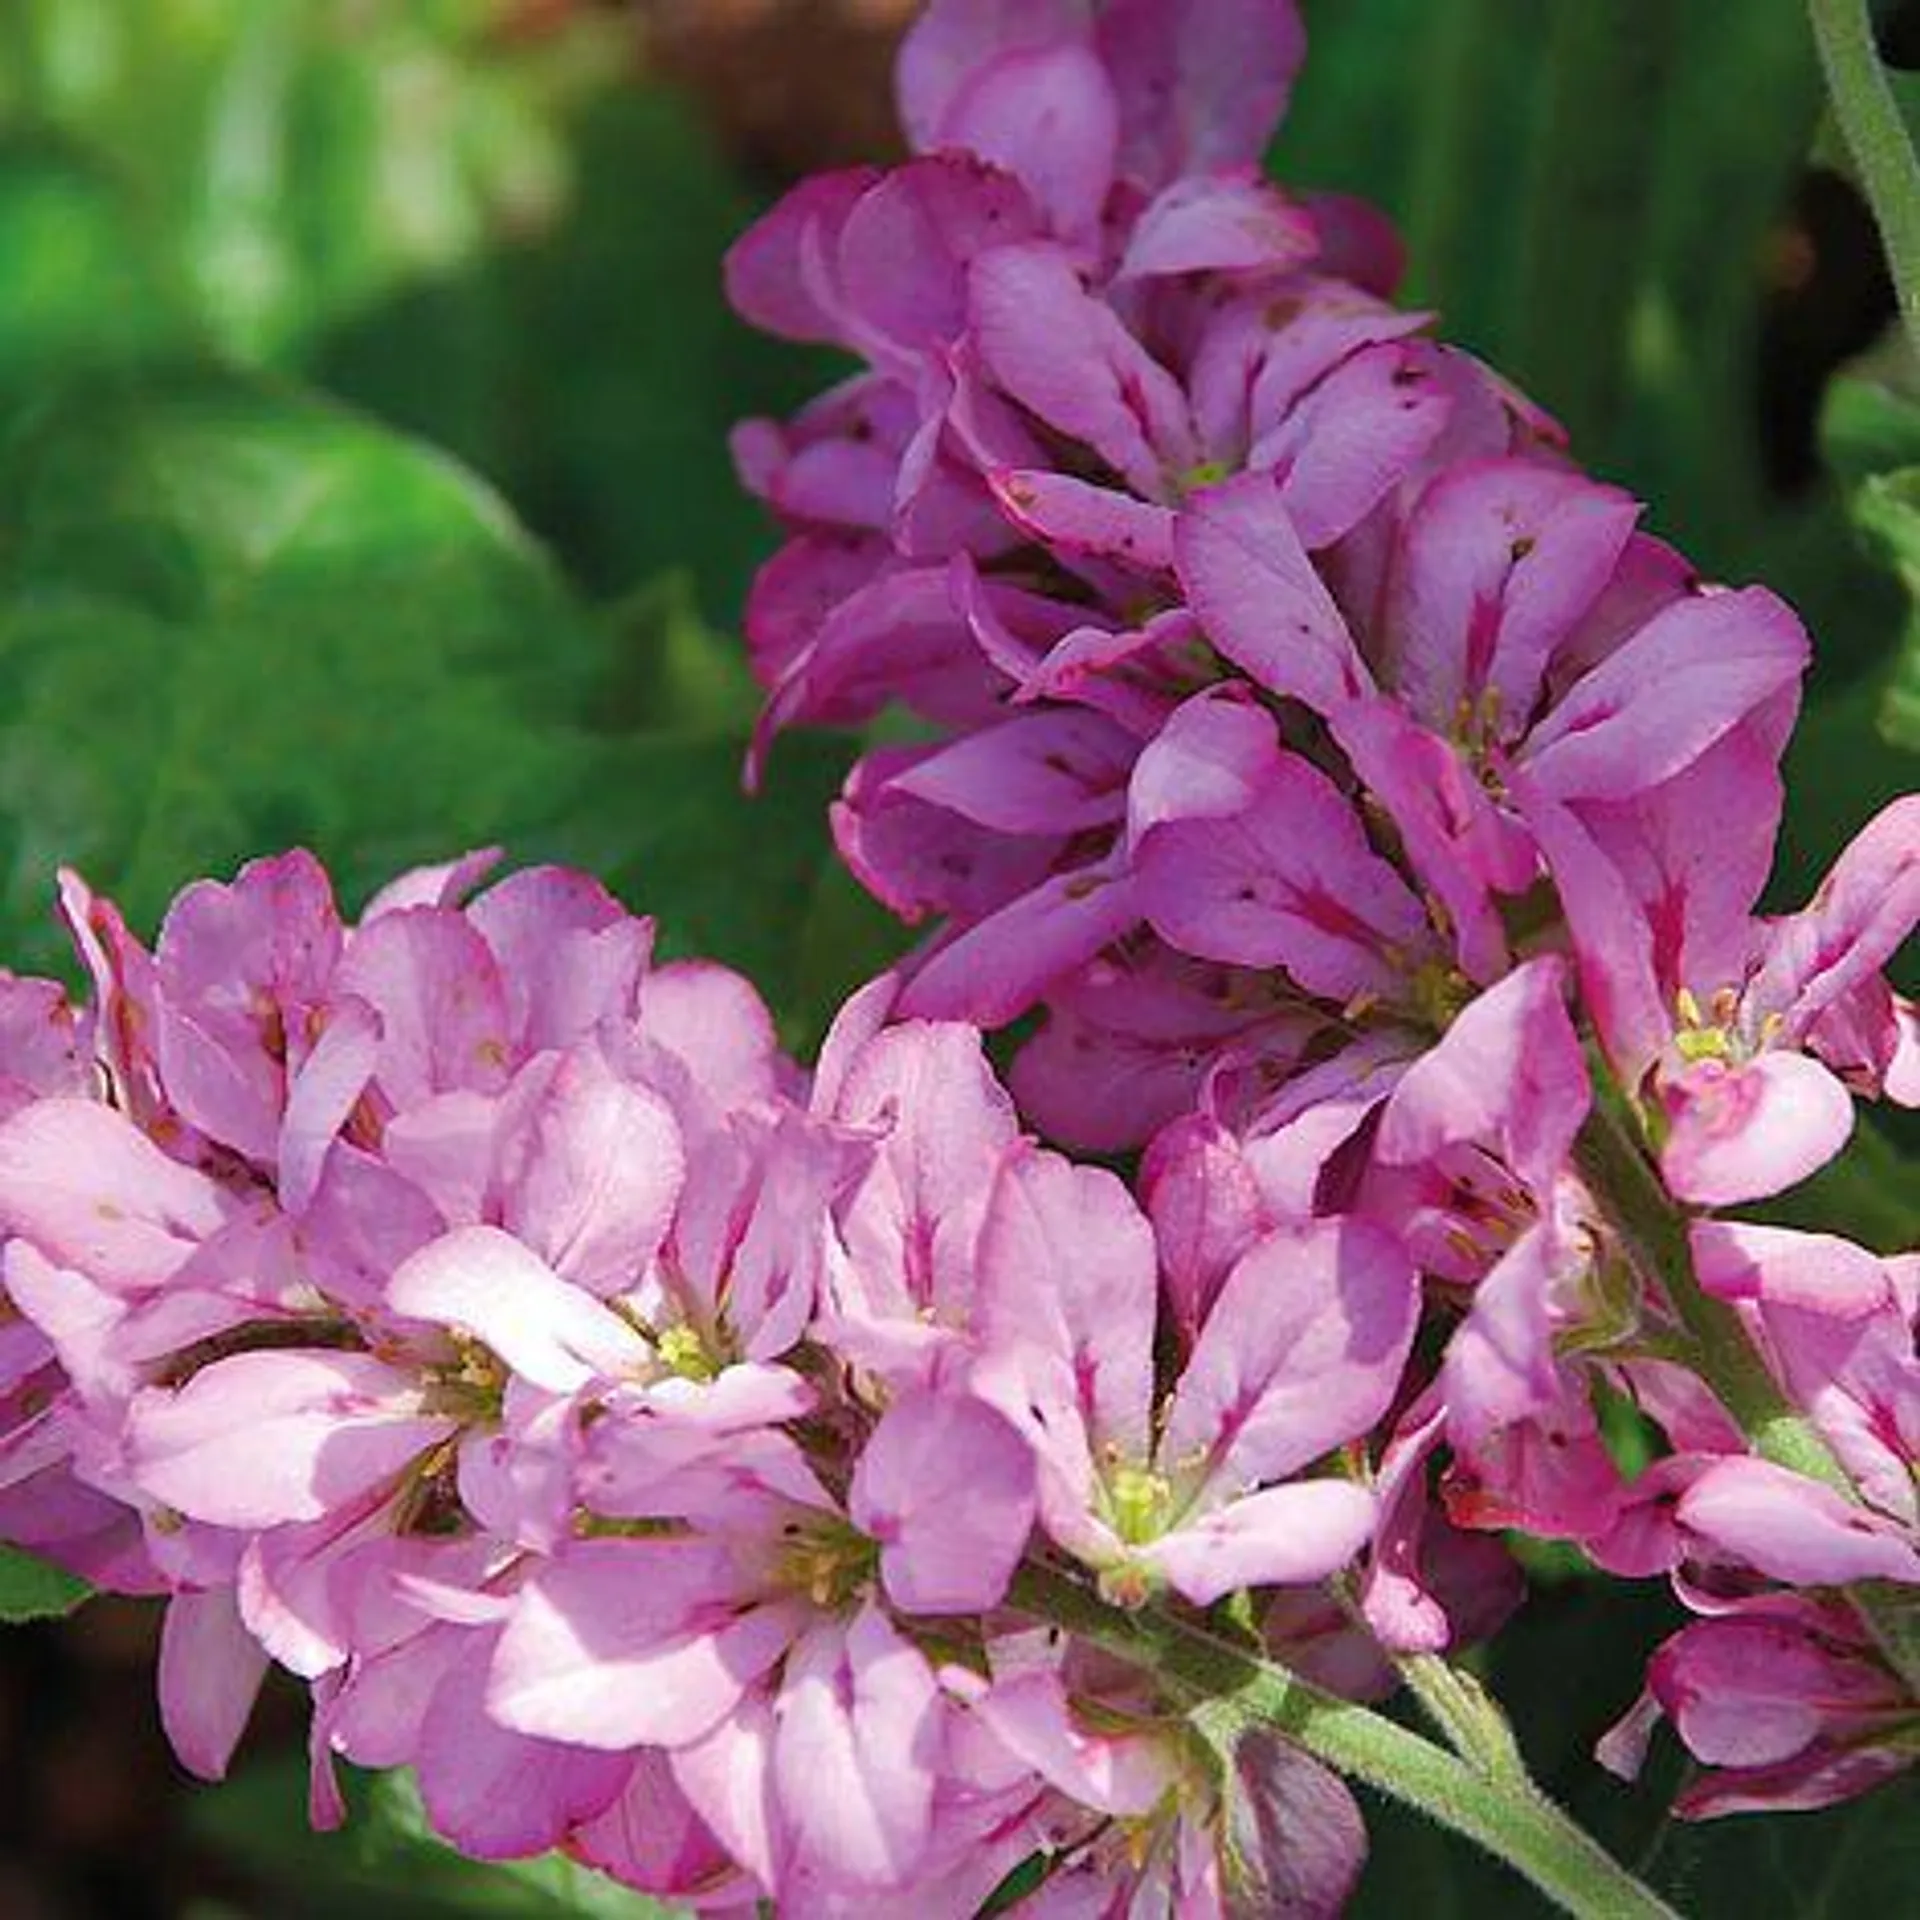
(1335, 769)
(639, 1438)
(668, 1452)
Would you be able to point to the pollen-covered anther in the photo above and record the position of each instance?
(684, 1352)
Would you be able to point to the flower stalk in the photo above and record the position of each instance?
(1654, 1232)
(1507, 1815)
(1876, 136)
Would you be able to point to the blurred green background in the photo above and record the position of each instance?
(364, 383)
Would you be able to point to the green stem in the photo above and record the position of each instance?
(1460, 1707)
(1654, 1234)
(1512, 1819)
(1876, 136)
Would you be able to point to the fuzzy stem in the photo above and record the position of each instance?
(1512, 1819)
(1876, 136)
(1654, 1233)
(1462, 1709)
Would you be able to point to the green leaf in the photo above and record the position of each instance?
(1870, 1194)
(32, 1590)
(593, 370)
(1868, 428)
(847, 939)
(1887, 507)
(675, 672)
(234, 619)
(80, 292)
(663, 820)
(296, 159)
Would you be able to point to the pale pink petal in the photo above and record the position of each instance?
(211, 1668)
(1302, 1352)
(1285, 1536)
(995, 970)
(589, 1176)
(1066, 357)
(1053, 772)
(1745, 1132)
(570, 955)
(323, 1094)
(1794, 1529)
(1122, 1774)
(946, 1486)
(856, 1748)
(1209, 224)
(1362, 432)
(1248, 578)
(768, 278)
(955, 40)
(80, 1182)
(714, 1020)
(441, 1000)
(1865, 909)
(1068, 1275)
(1077, 516)
(1508, 1073)
(485, 1283)
(260, 1439)
(443, 1147)
(1777, 1267)
(1291, 883)
(623, 1643)
(498, 1795)
(445, 885)
(1294, 1831)
(727, 1778)
(1653, 707)
(651, 1837)
(1047, 115)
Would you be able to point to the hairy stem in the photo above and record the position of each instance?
(1654, 1233)
(1508, 1816)
(1876, 136)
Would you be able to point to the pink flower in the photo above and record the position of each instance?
(1786, 1705)
(1300, 1353)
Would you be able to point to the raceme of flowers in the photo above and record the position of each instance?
(662, 1449)
(1345, 780)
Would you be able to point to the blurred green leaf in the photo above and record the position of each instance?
(81, 292)
(1870, 1194)
(232, 619)
(1887, 507)
(846, 939)
(297, 159)
(1868, 428)
(592, 367)
(673, 670)
(32, 1590)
